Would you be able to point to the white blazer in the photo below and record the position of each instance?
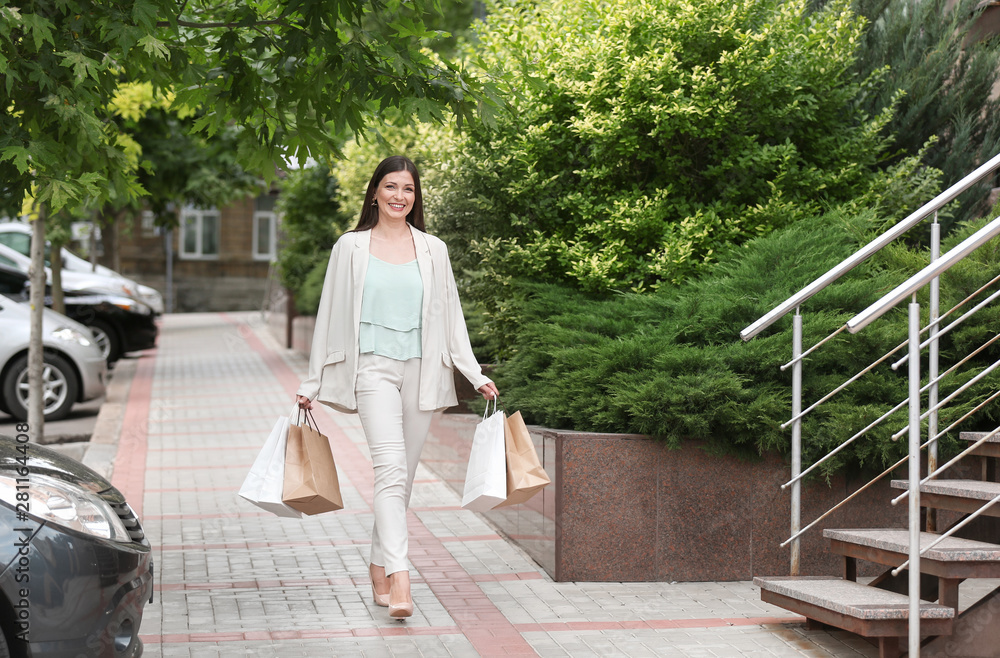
(444, 338)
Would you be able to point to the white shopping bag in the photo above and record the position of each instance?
(486, 477)
(266, 479)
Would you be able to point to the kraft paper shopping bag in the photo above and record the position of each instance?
(525, 475)
(311, 482)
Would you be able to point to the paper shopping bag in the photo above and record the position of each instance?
(525, 475)
(264, 483)
(311, 483)
(486, 476)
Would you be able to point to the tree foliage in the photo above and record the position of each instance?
(311, 222)
(651, 135)
(291, 77)
(930, 51)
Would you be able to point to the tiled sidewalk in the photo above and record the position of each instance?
(235, 581)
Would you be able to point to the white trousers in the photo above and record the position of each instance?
(387, 392)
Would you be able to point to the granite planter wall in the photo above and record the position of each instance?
(627, 508)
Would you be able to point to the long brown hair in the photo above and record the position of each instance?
(369, 212)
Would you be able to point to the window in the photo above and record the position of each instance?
(19, 242)
(199, 233)
(265, 228)
(148, 224)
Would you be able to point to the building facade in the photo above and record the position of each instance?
(217, 259)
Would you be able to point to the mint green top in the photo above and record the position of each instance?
(391, 306)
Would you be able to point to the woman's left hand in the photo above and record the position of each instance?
(489, 391)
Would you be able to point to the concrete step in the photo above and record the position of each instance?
(964, 496)
(867, 611)
(991, 448)
(951, 558)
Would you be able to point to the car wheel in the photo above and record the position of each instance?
(4, 648)
(59, 387)
(107, 339)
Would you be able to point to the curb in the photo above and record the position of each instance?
(102, 448)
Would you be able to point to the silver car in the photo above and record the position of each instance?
(75, 369)
(17, 236)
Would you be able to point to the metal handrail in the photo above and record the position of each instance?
(870, 249)
(909, 287)
(962, 318)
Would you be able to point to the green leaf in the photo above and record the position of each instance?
(153, 46)
(19, 156)
(83, 66)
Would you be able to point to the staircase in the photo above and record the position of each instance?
(874, 611)
(923, 604)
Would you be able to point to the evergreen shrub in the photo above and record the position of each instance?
(929, 51)
(670, 364)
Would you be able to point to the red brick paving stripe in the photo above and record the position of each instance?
(249, 446)
(484, 632)
(249, 434)
(129, 470)
(263, 584)
(653, 624)
(334, 582)
(440, 508)
(489, 631)
(271, 636)
(162, 421)
(222, 515)
(263, 544)
(194, 489)
(200, 466)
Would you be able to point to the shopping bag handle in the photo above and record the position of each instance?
(486, 411)
(299, 414)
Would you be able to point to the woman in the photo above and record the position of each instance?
(389, 332)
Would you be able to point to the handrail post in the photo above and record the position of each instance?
(914, 488)
(793, 569)
(934, 312)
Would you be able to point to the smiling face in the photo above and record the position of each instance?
(395, 196)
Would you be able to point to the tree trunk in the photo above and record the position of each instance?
(36, 364)
(109, 238)
(94, 223)
(58, 304)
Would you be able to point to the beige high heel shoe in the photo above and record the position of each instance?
(380, 599)
(400, 610)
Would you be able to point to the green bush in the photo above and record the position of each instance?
(424, 143)
(651, 135)
(311, 221)
(670, 363)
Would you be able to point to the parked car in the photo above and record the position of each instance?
(120, 324)
(77, 569)
(17, 236)
(70, 280)
(74, 371)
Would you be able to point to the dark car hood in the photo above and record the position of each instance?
(45, 461)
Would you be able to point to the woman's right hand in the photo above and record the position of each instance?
(304, 402)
